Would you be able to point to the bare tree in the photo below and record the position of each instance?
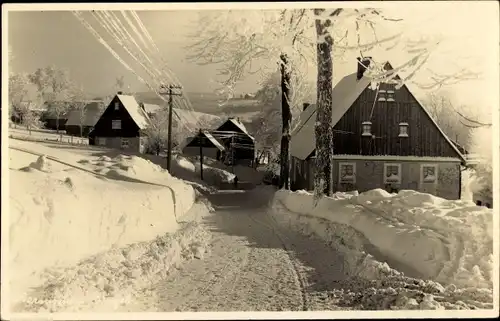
(79, 104)
(17, 93)
(30, 118)
(273, 36)
(451, 118)
(157, 132)
(23, 100)
(234, 40)
(55, 86)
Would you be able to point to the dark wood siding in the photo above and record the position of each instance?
(128, 126)
(74, 130)
(424, 138)
(247, 152)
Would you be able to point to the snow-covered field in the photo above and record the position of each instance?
(449, 243)
(90, 228)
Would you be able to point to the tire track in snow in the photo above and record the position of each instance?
(301, 282)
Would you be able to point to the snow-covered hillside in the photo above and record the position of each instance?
(65, 208)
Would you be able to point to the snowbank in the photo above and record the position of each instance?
(105, 281)
(366, 281)
(227, 173)
(446, 241)
(60, 214)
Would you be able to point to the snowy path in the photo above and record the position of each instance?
(250, 266)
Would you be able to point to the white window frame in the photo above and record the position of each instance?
(401, 126)
(422, 178)
(381, 95)
(116, 124)
(124, 140)
(366, 126)
(351, 181)
(117, 105)
(386, 165)
(101, 141)
(390, 96)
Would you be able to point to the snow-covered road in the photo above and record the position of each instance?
(251, 265)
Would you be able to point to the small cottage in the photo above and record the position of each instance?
(211, 147)
(120, 125)
(238, 143)
(383, 138)
(80, 124)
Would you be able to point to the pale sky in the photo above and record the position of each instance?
(470, 29)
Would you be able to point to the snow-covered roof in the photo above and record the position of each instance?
(344, 94)
(92, 114)
(151, 108)
(213, 140)
(208, 135)
(238, 124)
(135, 110)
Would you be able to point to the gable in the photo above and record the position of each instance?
(233, 125)
(208, 141)
(132, 118)
(353, 104)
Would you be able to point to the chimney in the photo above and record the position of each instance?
(120, 93)
(362, 65)
(305, 105)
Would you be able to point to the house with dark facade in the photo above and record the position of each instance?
(239, 145)
(383, 138)
(211, 147)
(79, 123)
(50, 120)
(120, 125)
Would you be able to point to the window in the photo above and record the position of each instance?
(381, 95)
(116, 124)
(125, 143)
(347, 173)
(390, 96)
(117, 105)
(367, 128)
(403, 130)
(428, 173)
(392, 173)
(101, 141)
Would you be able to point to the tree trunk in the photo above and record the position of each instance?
(286, 117)
(323, 127)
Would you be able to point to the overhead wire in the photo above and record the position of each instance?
(170, 75)
(113, 52)
(113, 29)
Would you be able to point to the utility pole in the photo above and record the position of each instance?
(169, 90)
(232, 153)
(201, 152)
